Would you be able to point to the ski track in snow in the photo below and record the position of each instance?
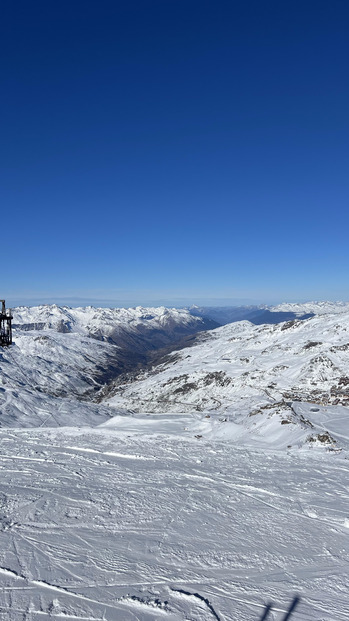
(145, 539)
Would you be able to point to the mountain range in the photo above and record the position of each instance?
(158, 466)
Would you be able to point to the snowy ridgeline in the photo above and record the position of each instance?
(104, 322)
(268, 314)
(199, 489)
(61, 355)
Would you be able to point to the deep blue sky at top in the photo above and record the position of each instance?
(154, 150)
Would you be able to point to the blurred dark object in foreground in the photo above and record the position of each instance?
(288, 614)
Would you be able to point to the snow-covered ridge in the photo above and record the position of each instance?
(263, 314)
(243, 371)
(240, 371)
(106, 322)
(54, 359)
(317, 308)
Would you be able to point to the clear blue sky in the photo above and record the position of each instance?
(163, 150)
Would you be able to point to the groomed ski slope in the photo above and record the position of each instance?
(141, 520)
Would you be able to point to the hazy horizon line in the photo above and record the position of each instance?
(184, 302)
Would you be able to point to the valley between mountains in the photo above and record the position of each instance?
(158, 465)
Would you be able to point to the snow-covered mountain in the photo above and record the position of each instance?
(249, 373)
(60, 355)
(202, 488)
(137, 329)
(268, 314)
(317, 308)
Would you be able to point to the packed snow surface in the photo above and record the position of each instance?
(139, 519)
(141, 508)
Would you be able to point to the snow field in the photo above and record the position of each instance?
(112, 524)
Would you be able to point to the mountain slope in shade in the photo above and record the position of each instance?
(259, 315)
(254, 314)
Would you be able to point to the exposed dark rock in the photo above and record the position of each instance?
(217, 377)
(26, 327)
(64, 326)
(343, 347)
(290, 324)
(324, 438)
(185, 388)
(312, 344)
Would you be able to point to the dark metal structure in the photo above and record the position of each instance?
(5, 325)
